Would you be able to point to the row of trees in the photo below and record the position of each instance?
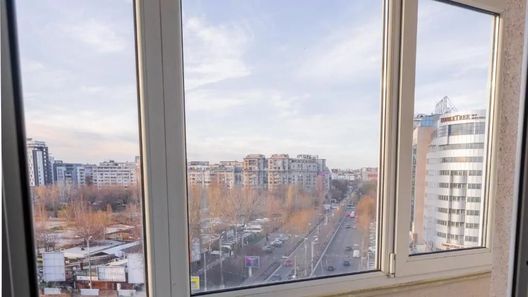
(290, 207)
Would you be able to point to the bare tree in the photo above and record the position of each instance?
(49, 197)
(195, 197)
(366, 214)
(86, 221)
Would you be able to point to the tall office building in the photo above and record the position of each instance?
(454, 177)
(39, 165)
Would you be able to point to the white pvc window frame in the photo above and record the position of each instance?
(160, 72)
(478, 259)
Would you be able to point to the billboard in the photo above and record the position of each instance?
(252, 261)
(111, 273)
(136, 269)
(53, 267)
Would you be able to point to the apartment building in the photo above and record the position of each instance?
(38, 162)
(69, 173)
(254, 171)
(112, 173)
(304, 170)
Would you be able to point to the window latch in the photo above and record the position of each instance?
(392, 264)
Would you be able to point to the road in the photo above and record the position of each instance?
(346, 236)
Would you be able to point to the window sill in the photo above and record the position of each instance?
(365, 284)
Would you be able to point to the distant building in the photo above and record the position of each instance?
(69, 173)
(454, 177)
(199, 173)
(112, 173)
(304, 170)
(254, 171)
(226, 173)
(346, 174)
(39, 165)
(369, 174)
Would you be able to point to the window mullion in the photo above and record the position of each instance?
(409, 17)
(390, 95)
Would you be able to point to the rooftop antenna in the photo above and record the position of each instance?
(445, 106)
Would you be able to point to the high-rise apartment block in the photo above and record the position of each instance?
(39, 165)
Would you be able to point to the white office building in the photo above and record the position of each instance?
(454, 179)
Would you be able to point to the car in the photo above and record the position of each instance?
(346, 262)
(276, 278)
(355, 254)
(348, 249)
(276, 243)
(268, 249)
(348, 226)
(330, 268)
(287, 263)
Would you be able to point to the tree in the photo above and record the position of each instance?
(366, 214)
(43, 236)
(86, 221)
(320, 190)
(195, 197)
(49, 197)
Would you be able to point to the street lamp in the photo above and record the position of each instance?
(89, 262)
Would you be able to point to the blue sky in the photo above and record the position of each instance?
(262, 76)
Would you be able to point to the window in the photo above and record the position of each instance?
(281, 109)
(452, 97)
(286, 151)
(79, 79)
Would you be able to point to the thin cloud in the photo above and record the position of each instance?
(99, 36)
(213, 53)
(350, 55)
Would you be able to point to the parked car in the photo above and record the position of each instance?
(330, 268)
(348, 226)
(355, 254)
(346, 262)
(348, 249)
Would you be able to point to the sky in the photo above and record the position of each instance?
(261, 76)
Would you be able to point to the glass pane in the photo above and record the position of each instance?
(283, 120)
(81, 111)
(453, 66)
